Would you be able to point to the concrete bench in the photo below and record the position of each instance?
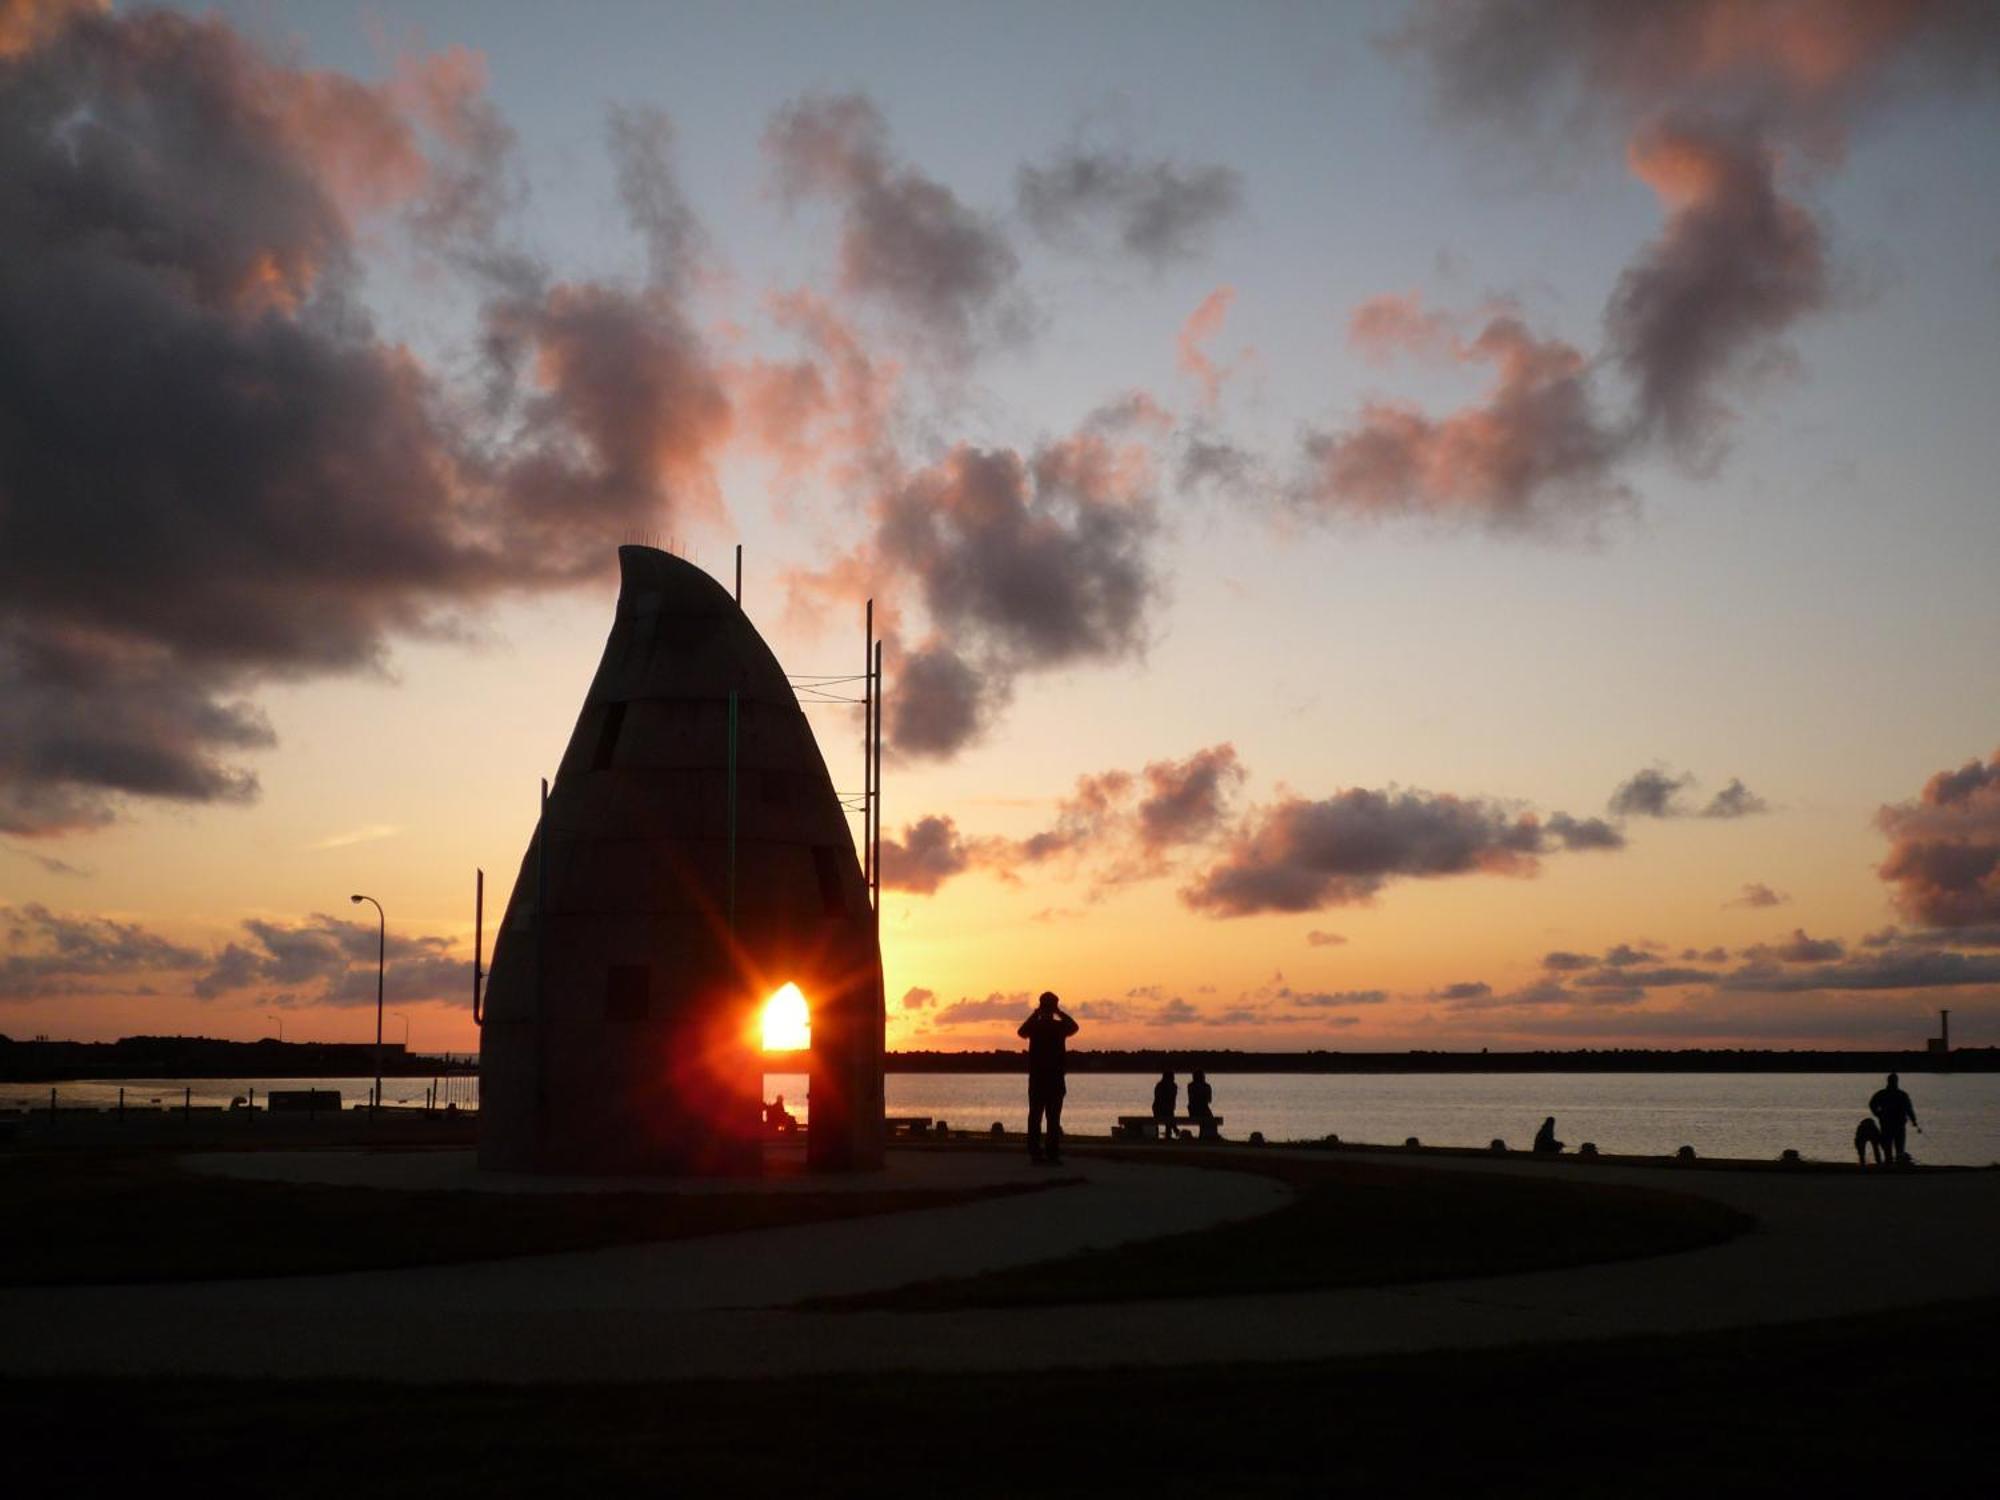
(1147, 1127)
(907, 1124)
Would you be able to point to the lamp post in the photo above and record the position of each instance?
(381, 962)
(281, 1023)
(406, 1029)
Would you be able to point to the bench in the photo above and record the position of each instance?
(907, 1124)
(302, 1101)
(1146, 1127)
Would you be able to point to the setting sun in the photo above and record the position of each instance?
(787, 1027)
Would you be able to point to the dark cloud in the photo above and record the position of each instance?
(1735, 801)
(1187, 801)
(48, 953)
(995, 1008)
(1532, 456)
(1625, 955)
(946, 272)
(1022, 565)
(1470, 989)
(1584, 833)
(918, 998)
(1665, 976)
(1796, 949)
(1563, 962)
(327, 961)
(1893, 971)
(1943, 863)
(1736, 265)
(1319, 939)
(1159, 211)
(48, 863)
(1758, 894)
(217, 473)
(1337, 999)
(929, 853)
(1712, 95)
(1650, 793)
(1300, 855)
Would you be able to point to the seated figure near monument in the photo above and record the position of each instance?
(780, 1119)
(1546, 1143)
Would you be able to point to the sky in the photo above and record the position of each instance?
(1437, 525)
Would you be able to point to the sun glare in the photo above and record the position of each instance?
(787, 1028)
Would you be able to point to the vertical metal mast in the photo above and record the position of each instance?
(875, 781)
(868, 751)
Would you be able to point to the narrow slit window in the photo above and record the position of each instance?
(832, 895)
(607, 736)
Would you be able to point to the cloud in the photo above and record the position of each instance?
(1532, 456)
(1336, 999)
(1300, 855)
(1714, 98)
(369, 834)
(918, 998)
(1758, 894)
(996, 1007)
(336, 960)
(1650, 793)
(1470, 989)
(48, 863)
(1796, 949)
(1563, 962)
(1893, 971)
(1584, 833)
(1943, 864)
(1191, 351)
(1158, 211)
(945, 272)
(1736, 265)
(929, 853)
(1022, 564)
(221, 474)
(48, 953)
(1735, 801)
(1319, 939)
(1128, 825)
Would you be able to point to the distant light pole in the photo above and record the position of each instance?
(381, 962)
(281, 1023)
(406, 1029)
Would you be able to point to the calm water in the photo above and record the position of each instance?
(1733, 1114)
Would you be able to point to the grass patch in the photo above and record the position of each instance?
(1831, 1408)
(1353, 1223)
(76, 1218)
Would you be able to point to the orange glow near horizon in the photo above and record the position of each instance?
(787, 1022)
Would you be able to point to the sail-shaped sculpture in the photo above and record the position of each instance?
(693, 857)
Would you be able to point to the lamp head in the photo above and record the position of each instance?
(357, 899)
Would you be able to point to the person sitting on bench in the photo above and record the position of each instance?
(1546, 1143)
(1201, 1105)
(780, 1119)
(1166, 1094)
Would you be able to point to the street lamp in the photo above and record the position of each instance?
(381, 961)
(406, 1029)
(281, 1023)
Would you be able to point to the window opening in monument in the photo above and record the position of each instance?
(607, 736)
(787, 1021)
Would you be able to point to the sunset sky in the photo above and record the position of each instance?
(1439, 525)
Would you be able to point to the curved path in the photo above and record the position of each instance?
(1828, 1245)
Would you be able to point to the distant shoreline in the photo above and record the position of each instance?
(205, 1057)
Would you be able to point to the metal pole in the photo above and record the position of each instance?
(732, 810)
(381, 964)
(869, 749)
(876, 782)
(478, 939)
(739, 575)
(541, 954)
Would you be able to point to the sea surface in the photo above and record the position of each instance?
(1754, 1115)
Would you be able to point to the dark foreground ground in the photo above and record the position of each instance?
(1875, 1405)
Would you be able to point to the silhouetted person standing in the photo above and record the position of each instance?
(1046, 1032)
(1893, 1110)
(1166, 1094)
(1546, 1143)
(1201, 1105)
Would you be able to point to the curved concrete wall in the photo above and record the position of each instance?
(622, 1019)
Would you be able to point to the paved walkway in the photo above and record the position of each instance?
(1829, 1244)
